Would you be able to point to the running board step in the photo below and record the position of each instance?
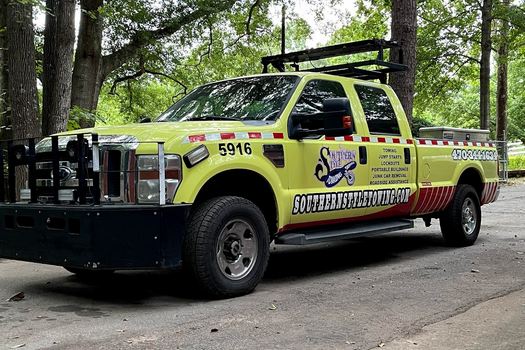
(327, 234)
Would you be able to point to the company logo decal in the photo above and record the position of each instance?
(321, 202)
(335, 165)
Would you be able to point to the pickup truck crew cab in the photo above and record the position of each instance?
(292, 157)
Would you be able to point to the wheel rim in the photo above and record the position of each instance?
(237, 249)
(469, 216)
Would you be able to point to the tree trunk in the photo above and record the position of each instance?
(404, 28)
(87, 75)
(22, 76)
(4, 89)
(484, 74)
(22, 72)
(501, 93)
(59, 39)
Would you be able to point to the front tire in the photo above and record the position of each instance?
(226, 249)
(461, 221)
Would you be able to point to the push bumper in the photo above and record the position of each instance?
(94, 237)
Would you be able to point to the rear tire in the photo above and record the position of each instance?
(461, 221)
(226, 249)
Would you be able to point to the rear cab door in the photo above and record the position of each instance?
(390, 151)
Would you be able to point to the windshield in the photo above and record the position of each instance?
(253, 98)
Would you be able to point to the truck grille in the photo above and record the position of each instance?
(116, 175)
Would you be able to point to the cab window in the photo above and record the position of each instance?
(379, 113)
(311, 100)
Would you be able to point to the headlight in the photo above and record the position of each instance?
(148, 177)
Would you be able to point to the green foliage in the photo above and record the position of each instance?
(135, 101)
(219, 49)
(418, 123)
(517, 163)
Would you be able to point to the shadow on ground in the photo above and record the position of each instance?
(286, 263)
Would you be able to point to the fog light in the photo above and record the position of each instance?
(66, 195)
(25, 194)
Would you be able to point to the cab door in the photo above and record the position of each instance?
(327, 176)
(391, 152)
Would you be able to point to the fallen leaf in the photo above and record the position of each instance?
(273, 307)
(18, 346)
(17, 297)
(214, 330)
(474, 271)
(381, 345)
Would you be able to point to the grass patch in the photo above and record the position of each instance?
(517, 162)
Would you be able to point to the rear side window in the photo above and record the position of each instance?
(311, 100)
(379, 113)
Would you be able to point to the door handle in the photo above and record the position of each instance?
(362, 155)
(407, 155)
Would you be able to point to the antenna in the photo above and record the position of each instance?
(283, 29)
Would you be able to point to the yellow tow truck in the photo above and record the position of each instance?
(296, 157)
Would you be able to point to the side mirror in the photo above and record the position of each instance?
(334, 120)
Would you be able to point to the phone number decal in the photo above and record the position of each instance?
(469, 154)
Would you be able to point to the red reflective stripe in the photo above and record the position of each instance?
(434, 142)
(422, 199)
(348, 138)
(493, 197)
(438, 199)
(445, 143)
(465, 143)
(197, 138)
(456, 143)
(329, 138)
(428, 199)
(396, 140)
(450, 191)
(278, 135)
(484, 193)
(365, 139)
(254, 135)
(381, 139)
(410, 141)
(227, 136)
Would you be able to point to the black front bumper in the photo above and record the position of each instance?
(94, 237)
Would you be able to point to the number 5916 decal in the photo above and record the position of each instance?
(233, 149)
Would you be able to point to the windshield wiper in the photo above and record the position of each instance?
(212, 117)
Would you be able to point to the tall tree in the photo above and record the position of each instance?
(22, 75)
(59, 39)
(87, 75)
(404, 30)
(4, 95)
(484, 72)
(502, 84)
(93, 68)
(22, 72)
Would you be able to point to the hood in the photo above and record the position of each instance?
(172, 133)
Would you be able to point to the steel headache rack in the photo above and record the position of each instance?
(359, 69)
